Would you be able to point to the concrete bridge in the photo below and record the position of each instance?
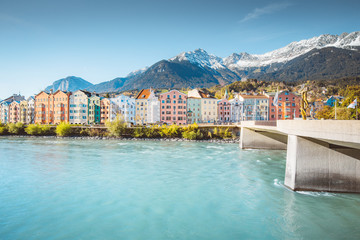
(322, 155)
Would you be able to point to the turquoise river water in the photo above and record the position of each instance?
(108, 189)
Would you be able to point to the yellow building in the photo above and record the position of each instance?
(23, 111)
(208, 106)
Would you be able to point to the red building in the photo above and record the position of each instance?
(288, 106)
(173, 107)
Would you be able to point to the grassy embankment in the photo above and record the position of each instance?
(119, 129)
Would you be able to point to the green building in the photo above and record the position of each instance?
(94, 110)
(193, 110)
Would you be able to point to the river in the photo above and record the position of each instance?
(108, 189)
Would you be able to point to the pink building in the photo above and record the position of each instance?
(224, 113)
(173, 107)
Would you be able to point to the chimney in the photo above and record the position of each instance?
(51, 91)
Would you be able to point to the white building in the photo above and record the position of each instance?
(147, 107)
(4, 111)
(78, 110)
(30, 111)
(153, 115)
(123, 105)
(255, 107)
(236, 109)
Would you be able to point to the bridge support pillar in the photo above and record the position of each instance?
(261, 140)
(314, 165)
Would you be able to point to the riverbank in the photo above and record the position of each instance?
(128, 139)
(120, 130)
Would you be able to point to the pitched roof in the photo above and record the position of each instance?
(143, 94)
(202, 94)
(253, 96)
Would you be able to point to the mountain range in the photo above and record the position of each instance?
(323, 57)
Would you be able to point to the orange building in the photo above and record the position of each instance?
(60, 106)
(52, 108)
(42, 115)
(104, 110)
(288, 106)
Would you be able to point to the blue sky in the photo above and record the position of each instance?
(42, 40)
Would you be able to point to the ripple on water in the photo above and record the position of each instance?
(90, 189)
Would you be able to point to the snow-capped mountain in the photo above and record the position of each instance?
(200, 57)
(295, 49)
(323, 57)
(137, 72)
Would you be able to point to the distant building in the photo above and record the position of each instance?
(94, 109)
(4, 110)
(30, 110)
(208, 106)
(224, 109)
(318, 106)
(173, 107)
(254, 107)
(52, 108)
(288, 106)
(105, 110)
(23, 111)
(147, 107)
(5, 107)
(42, 108)
(332, 99)
(193, 110)
(14, 112)
(61, 101)
(236, 109)
(78, 109)
(123, 105)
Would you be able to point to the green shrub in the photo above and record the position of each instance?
(192, 132)
(193, 135)
(227, 134)
(15, 128)
(117, 128)
(3, 130)
(63, 129)
(138, 132)
(33, 129)
(170, 131)
(46, 130)
(94, 132)
(84, 132)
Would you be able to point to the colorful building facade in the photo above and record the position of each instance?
(193, 110)
(236, 109)
(288, 106)
(254, 107)
(78, 107)
(125, 106)
(61, 101)
(30, 111)
(42, 108)
(147, 107)
(94, 109)
(173, 107)
(224, 111)
(105, 110)
(208, 106)
(14, 112)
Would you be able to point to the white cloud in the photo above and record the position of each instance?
(271, 8)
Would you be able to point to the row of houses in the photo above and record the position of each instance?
(83, 107)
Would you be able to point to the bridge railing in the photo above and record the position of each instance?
(271, 123)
